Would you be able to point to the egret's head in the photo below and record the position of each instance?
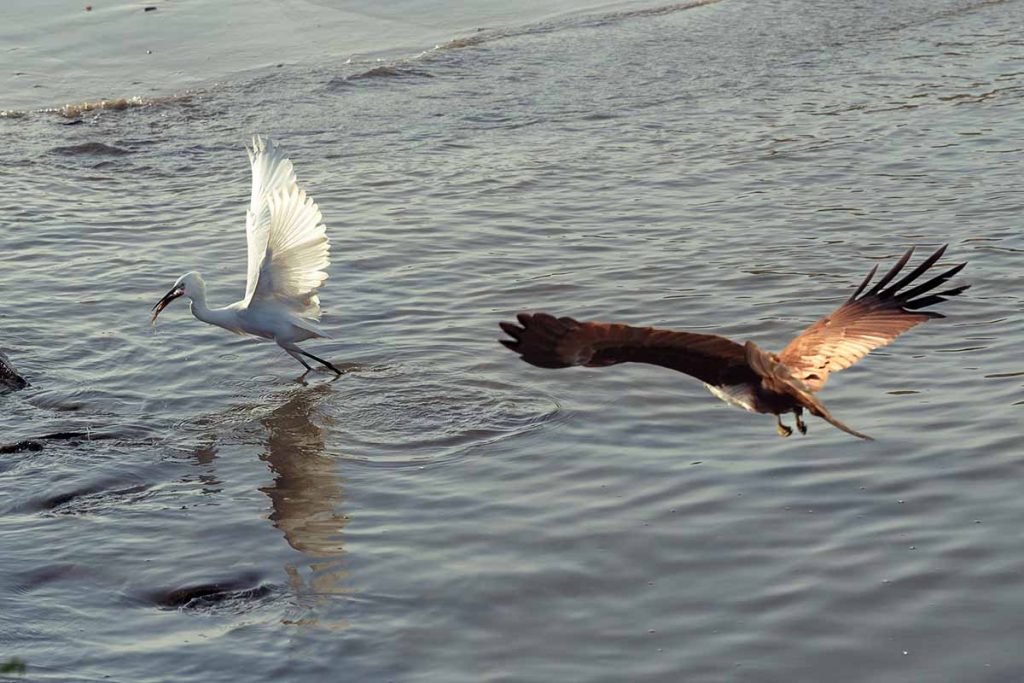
(190, 284)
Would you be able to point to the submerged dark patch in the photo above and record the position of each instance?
(90, 149)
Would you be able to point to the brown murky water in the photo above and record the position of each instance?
(180, 508)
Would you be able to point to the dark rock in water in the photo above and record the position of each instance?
(244, 588)
(29, 445)
(8, 377)
(74, 438)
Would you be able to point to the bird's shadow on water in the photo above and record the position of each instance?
(305, 497)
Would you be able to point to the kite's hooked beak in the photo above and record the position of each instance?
(168, 298)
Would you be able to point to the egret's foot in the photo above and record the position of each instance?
(801, 425)
(782, 429)
(301, 379)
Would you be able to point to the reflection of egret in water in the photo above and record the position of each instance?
(306, 494)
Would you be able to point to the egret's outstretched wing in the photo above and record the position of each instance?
(271, 172)
(549, 342)
(288, 247)
(875, 319)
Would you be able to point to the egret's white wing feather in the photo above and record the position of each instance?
(271, 171)
(296, 253)
(288, 246)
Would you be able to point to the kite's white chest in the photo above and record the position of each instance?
(738, 395)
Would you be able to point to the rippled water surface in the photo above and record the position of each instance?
(177, 506)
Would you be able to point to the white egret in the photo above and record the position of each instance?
(288, 257)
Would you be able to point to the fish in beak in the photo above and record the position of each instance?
(163, 303)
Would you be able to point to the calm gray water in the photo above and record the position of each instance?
(444, 512)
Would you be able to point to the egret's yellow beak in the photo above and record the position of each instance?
(162, 304)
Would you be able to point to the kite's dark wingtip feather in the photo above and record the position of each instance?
(536, 341)
(892, 272)
(524, 318)
(511, 329)
(863, 284)
(922, 267)
(915, 302)
(910, 295)
(953, 292)
(954, 270)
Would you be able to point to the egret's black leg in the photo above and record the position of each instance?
(319, 360)
(293, 354)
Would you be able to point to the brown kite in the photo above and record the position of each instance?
(745, 375)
